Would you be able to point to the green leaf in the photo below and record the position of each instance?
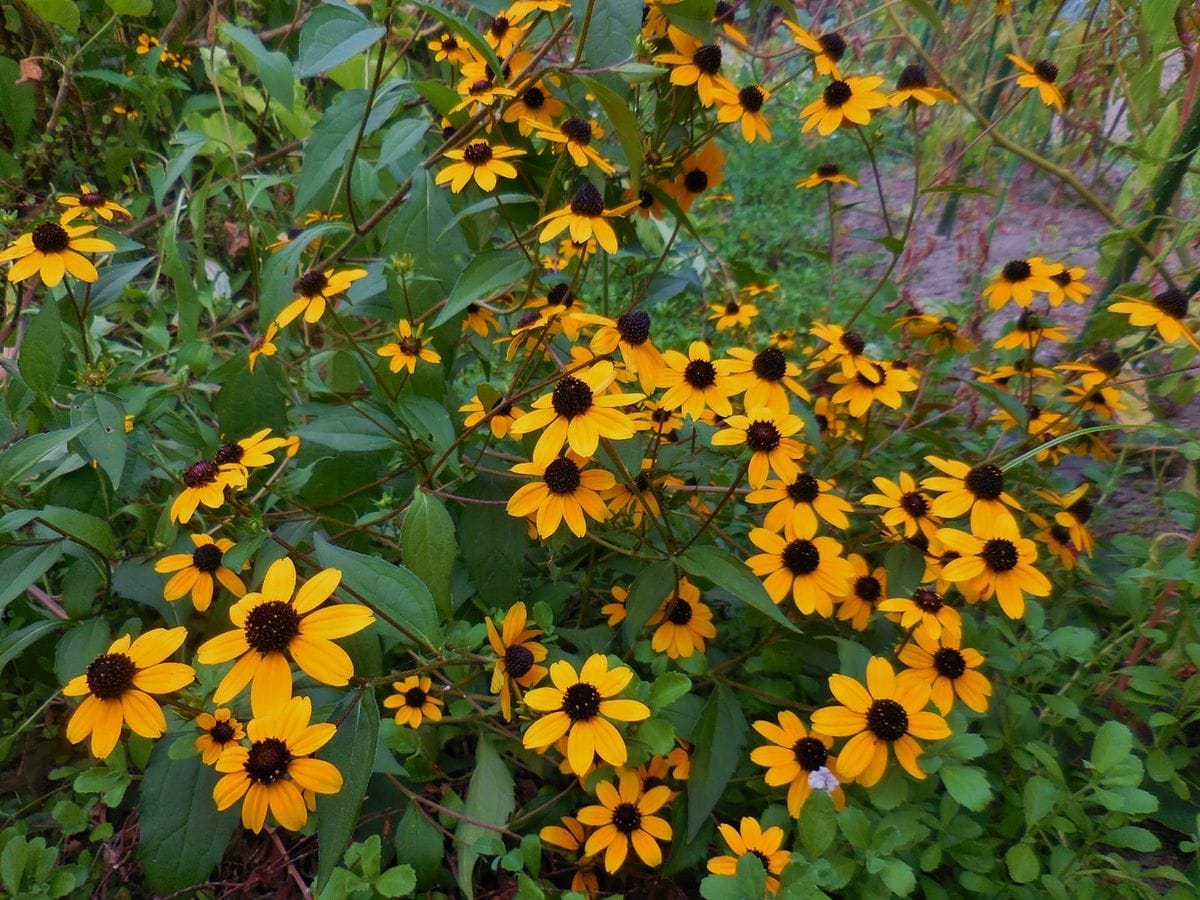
(131, 7)
(182, 835)
(1004, 400)
(693, 16)
(1132, 838)
(20, 457)
(22, 566)
(63, 13)
(1022, 863)
(105, 439)
(1158, 18)
(419, 843)
(273, 67)
(249, 401)
(618, 111)
(14, 642)
(423, 228)
(17, 102)
(398, 881)
(346, 431)
(392, 590)
(730, 574)
(492, 550)
(487, 274)
(41, 356)
(719, 737)
(817, 825)
(332, 35)
(904, 565)
(668, 688)
(968, 785)
(1038, 799)
(646, 595)
(491, 799)
(898, 876)
(610, 33)
(80, 646)
(428, 546)
(463, 30)
(88, 530)
(924, 9)
(1112, 744)
(352, 750)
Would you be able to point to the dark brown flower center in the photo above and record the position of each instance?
(833, 44)
(207, 558)
(912, 77)
(229, 453)
(1015, 271)
(627, 818)
(91, 199)
(1173, 302)
(751, 98)
(410, 345)
(449, 42)
(200, 474)
(499, 26)
(853, 343)
(805, 489)
(679, 612)
(271, 626)
(770, 364)
(870, 381)
(50, 237)
(1108, 362)
(868, 589)
(828, 170)
(533, 98)
(949, 662)
(700, 374)
(634, 327)
(480, 86)
(561, 295)
(562, 476)
(267, 760)
(110, 675)
(915, 504)
(645, 199)
(312, 283)
(415, 697)
(518, 660)
(837, 94)
(1062, 279)
(986, 482)
(477, 153)
(695, 180)
(887, 720)
(577, 130)
(1000, 555)
(587, 201)
(572, 397)
(1061, 534)
(1082, 509)
(801, 557)
(1046, 71)
(926, 600)
(763, 437)
(222, 732)
(708, 59)
(810, 753)
(581, 702)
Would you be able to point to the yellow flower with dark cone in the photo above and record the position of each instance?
(533, 107)
(866, 590)
(117, 688)
(1041, 77)
(750, 838)
(978, 489)
(576, 134)
(409, 348)
(1074, 512)
(88, 203)
(700, 172)
(913, 84)
(1000, 559)
(626, 816)
(277, 769)
(826, 173)
(950, 670)
(615, 611)
(886, 387)
(316, 290)
(519, 656)
(745, 106)
(630, 334)
(1071, 286)
(565, 492)
(801, 502)
(810, 568)
(798, 758)
(586, 217)
(827, 50)
(264, 345)
(640, 497)
(684, 623)
(52, 250)
(219, 730)
(449, 49)
(204, 482)
(769, 437)
(503, 34)
(732, 314)
(197, 572)
(480, 320)
(253, 452)
(942, 331)
(570, 836)
(908, 509)
(481, 162)
(927, 612)
(269, 622)
(849, 101)
(1165, 314)
(1057, 540)
(479, 91)
(846, 348)
(583, 707)
(695, 63)
(887, 714)
(1021, 280)
(693, 383)
(499, 417)
(578, 413)
(1029, 331)
(413, 700)
(766, 377)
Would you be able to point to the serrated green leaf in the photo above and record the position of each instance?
(968, 785)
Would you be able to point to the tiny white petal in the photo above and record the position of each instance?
(823, 780)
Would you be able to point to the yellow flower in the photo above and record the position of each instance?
(843, 101)
(205, 482)
(1165, 313)
(264, 345)
(408, 349)
(570, 836)
(576, 135)
(253, 452)
(219, 729)
(1074, 511)
(866, 590)
(480, 161)
(978, 489)
(196, 571)
(277, 769)
(1000, 559)
(827, 50)
(694, 384)
(925, 611)
(907, 507)
(581, 707)
(500, 416)
(913, 84)
(639, 498)
(480, 320)
(630, 334)
(769, 437)
(479, 91)
(565, 492)
(586, 216)
(800, 502)
(810, 568)
(503, 35)
(315, 290)
(89, 202)
(1030, 330)
(413, 701)
(684, 623)
(533, 107)
(950, 669)
(698, 173)
(625, 816)
(1020, 279)
(826, 173)
(1071, 286)
(750, 838)
(696, 64)
(766, 378)
(117, 687)
(798, 758)
(746, 106)
(846, 348)
(519, 655)
(616, 609)
(732, 314)
(270, 621)
(858, 392)
(1039, 76)
(52, 250)
(449, 49)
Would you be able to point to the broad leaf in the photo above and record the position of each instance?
(719, 737)
(352, 750)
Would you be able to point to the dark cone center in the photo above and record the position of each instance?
(751, 98)
(110, 675)
(1081, 509)
(1016, 270)
(581, 702)
(477, 153)
(221, 733)
(533, 98)
(853, 343)
(708, 59)
(700, 373)
(833, 44)
(837, 94)
(926, 600)
(887, 720)
(770, 364)
(50, 237)
(915, 504)
(911, 78)
(200, 474)
(763, 437)
(1173, 302)
(572, 397)
(577, 130)
(1046, 71)
(271, 626)
(986, 481)
(801, 557)
(587, 201)
(949, 662)
(810, 753)
(562, 476)
(560, 295)
(680, 612)
(868, 589)
(805, 489)
(267, 760)
(229, 453)
(627, 818)
(312, 283)
(1000, 555)
(415, 697)
(518, 660)
(828, 170)
(634, 327)
(695, 180)
(207, 558)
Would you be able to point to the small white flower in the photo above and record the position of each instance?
(823, 780)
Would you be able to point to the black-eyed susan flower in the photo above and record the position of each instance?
(480, 320)
(826, 173)
(913, 84)
(695, 63)
(278, 767)
(481, 162)
(197, 572)
(1029, 331)
(683, 623)
(315, 291)
(519, 654)
(1057, 539)
(750, 838)
(888, 713)
(1165, 313)
(1097, 368)
(118, 685)
(950, 670)
(693, 383)
(845, 348)
(745, 106)
(409, 348)
(908, 508)
(1039, 76)
(784, 339)
(583, 707)
(264, 345)
(1020, 280)
(615, 610)
(51, 251)
(1070, 285)
(218, 730)
(586, 216)
(576, 134)
(925, 611)
(145, 43)
(851, 100)
(565, 492)
(624, 817)
(499, 416)
(578, 413)
(732, 314)
(414, 702)
(801, 502)
(447, 47)
(533, 107)
(810, 568)
(867, 589)
(769, 437)
(942, 331)
(885, 387)
(630, 334)
(1099, 400)
(827, 49)
(794, 756)
(700, 172)
(270, 621)
(999, 561)
(766, 378)
(253, 452)
(204, 483)
(503, 34)
(570, 836)
(1074, 511)
(975, 489)
(479, 91)
(89, 203)
(639, 498)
